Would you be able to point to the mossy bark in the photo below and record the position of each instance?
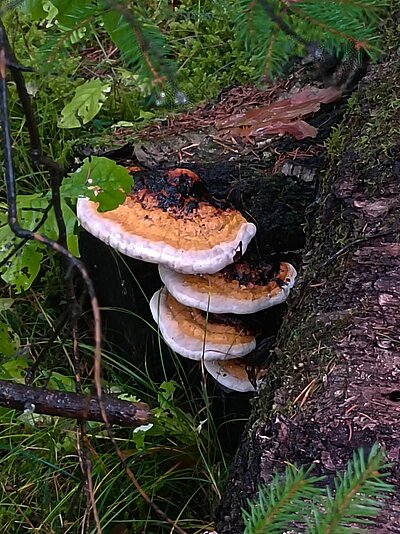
(336, 385)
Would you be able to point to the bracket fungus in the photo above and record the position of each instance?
(241, 288)
(170, 219)
(232, 374)
(197, 335)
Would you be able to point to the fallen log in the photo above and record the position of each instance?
(335, 386)
(73, 405)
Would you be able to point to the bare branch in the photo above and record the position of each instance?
(74, 405)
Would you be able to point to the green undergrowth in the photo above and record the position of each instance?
(68, 63)
(179, 461)
(177, 458)
(84, 91)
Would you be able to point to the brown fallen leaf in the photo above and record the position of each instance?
(283, 116)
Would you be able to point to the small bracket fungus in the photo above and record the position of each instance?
(170, 219)
(242, 288)
(196, 335)
(232, 374)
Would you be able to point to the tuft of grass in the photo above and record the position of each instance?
(178, 461)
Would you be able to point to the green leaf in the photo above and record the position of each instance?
(101, 180)
(123, 124)
(60, 382)
(24, 267)
(166, 394)
(70, 221)
(34, 8)
(139, 434)
(9, 343)
(85, 105)
(5, 304)
(29, 209)
(146, 115)
(21, 269)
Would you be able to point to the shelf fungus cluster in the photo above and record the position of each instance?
(170, 219)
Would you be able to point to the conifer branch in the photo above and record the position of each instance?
(282, 502)
(358, 497)
(297, 499)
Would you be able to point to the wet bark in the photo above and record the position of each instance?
(336, 385)
(73, 405)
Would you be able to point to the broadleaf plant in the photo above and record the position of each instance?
(9, 341)
(22, 269)
(99, 179)
(85, 105)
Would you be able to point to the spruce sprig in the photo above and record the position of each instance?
(282, 502)
(141, 43)
(358, 497)
(296, 500)
(339, 26)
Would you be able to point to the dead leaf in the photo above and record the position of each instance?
(283, 116)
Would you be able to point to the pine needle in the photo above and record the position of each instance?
(358, 497)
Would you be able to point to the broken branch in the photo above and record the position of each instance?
(73, 405)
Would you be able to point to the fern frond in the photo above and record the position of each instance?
(358, 497)
(72, 12)
(282, 502)
(72, 16)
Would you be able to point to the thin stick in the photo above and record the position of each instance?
(56, 172)
(72, 405)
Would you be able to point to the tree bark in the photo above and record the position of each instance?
(336, 385)
(73, 405)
